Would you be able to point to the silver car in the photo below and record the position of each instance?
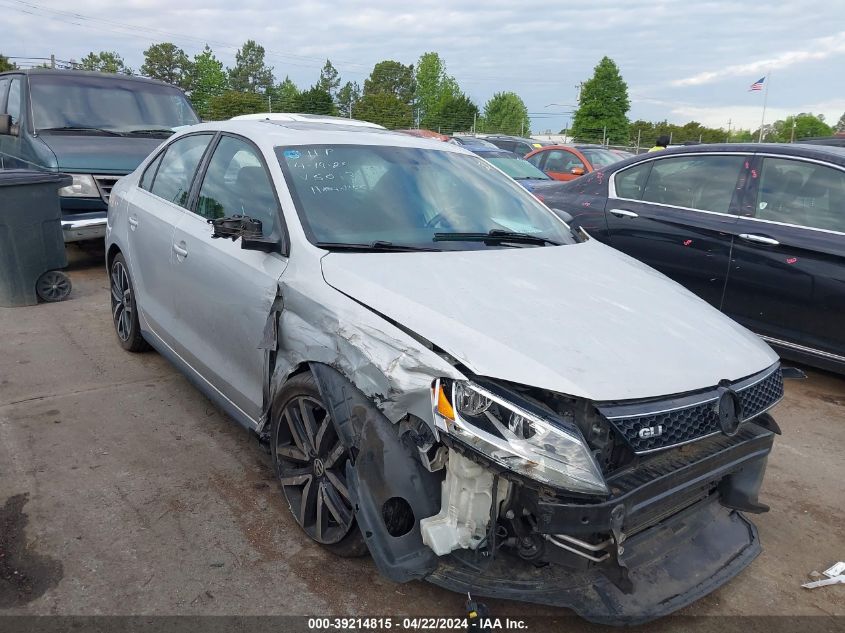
(447, 375)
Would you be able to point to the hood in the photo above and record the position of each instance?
(91, 154)
(582, 320)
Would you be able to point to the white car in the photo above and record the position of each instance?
(448, 376)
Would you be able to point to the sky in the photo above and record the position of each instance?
(682, 59)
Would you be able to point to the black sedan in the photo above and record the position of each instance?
(756, 230)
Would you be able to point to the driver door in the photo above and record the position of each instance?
(223, 293)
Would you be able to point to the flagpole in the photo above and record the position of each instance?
(765, 99)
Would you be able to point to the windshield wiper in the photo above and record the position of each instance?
(377, 246)
(495, 236)
(152, 130)
(79, 128)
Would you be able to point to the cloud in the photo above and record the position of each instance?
(819, 49)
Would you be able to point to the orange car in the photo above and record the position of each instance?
(567, 162)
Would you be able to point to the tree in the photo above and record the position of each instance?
(347, 97)
(453, 113)
(430, 73)
(250, 73)
(329, 79)
(506, 113)
(603, 105)
(384, 108)
(104, 62)
(840, 125)
(315, 100)
(169, 63)
(208, 80)
(394, 78)
(285, 97)
(5, 64)
(232, 103)
(798, 126)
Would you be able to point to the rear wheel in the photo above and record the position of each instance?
(310, 461)
(124, 307)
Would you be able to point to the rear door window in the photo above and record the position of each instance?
(178, 166)
(707, 183)
(801, 193)
(630, 183)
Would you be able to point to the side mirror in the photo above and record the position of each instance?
(577, 171)
(5, 124)
(246, 228)
(563, 215)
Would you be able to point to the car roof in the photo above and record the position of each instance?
(314, 131)
(829, 153)
(489, 151)
(308, 118)
(84, 73)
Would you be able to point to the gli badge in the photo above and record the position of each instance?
(650, 431)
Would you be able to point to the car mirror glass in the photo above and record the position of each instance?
(577, 171)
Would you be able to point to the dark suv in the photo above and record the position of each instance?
(96, 127)
(516, 144)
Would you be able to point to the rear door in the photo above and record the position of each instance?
(787, 278)
(154, 208)
(223, 293)
(677, 214)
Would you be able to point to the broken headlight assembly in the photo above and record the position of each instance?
(528, 443)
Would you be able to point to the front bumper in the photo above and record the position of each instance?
(84, 226)
(671, 566)
(676, 515)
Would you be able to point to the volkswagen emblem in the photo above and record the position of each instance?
(729, 410)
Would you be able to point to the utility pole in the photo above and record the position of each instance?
(52, 60)
(728, 140)
(474, 115)
(604, 136)
(638, 140)
(269, 103)
(578, 88)
(792, 135)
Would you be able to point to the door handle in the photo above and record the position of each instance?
(624, 213)
(760, 239)
(180, 251)
(133, 222)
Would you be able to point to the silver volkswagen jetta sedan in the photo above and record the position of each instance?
(446, 375)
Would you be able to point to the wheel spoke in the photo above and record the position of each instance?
(340, 511)
(335, 454)
(339, 485)
(296, 478)
(292, 453)
(320, 520)
(307, 508)
(325, 431)
(309, 422)
(294, 430)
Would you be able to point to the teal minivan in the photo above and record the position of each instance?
(96, 127)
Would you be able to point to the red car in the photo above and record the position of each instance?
(567, 162)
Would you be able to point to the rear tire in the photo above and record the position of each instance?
(310, 460)
(124, 307)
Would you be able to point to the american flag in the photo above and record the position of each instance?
(757, 85)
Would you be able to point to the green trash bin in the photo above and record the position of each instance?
(32, 246)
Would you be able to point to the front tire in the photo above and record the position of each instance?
(124, 307)
(310, 461)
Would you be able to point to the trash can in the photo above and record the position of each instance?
(32, 246)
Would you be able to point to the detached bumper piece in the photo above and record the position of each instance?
(669, 534)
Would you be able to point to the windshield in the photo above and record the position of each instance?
(362, 194)
(599, 157)
(107, 104)
(517, 168)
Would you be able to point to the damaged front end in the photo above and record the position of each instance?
(522, 494)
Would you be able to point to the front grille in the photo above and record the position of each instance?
(105, 185)
(683, 419)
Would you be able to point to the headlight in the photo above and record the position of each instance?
(550, 452)
(83, 187)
